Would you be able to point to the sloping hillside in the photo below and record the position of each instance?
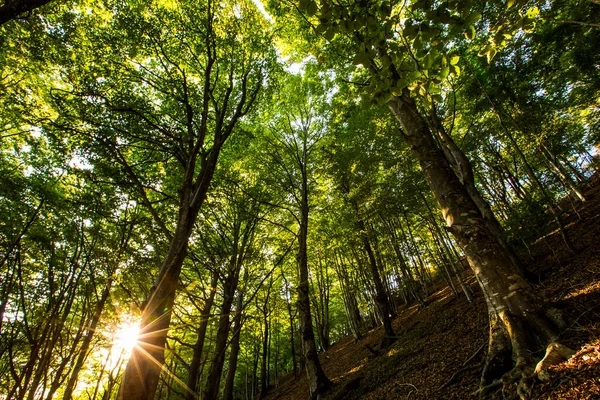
(441, 349)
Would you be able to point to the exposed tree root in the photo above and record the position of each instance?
(555, 354)
(510, 365)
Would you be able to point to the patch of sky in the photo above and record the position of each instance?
(261, 8)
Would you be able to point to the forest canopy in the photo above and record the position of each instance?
(198, 198)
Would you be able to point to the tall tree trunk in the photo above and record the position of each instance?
(564, 175)
(194, 369)
(264, 378)
(211, 390)
(85, 346)
(407, 275)
(515, 315)
(242, 240)
(235, 344)
(530, 173)
(381, 298)
(318, 383)
(291, 321)
(143, 369)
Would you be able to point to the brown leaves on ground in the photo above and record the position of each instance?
(436, 355)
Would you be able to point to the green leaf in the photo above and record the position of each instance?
(491, 54)
(470, 32)
(444, 73)
(473, 17)
(454, 60)
(413, 76)
(303, 4)
(312, 8)
(456, 70)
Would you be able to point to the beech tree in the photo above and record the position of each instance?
(159, 164)
(200, 82)
(297, 133)
(404, 55)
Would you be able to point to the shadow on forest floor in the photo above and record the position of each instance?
(437, 354)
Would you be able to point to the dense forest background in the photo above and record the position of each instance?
(244, 184)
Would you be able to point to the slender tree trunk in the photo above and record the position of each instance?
(564, 175)
(264, 380)
(382, 267)
(194, 369)
(85, 346)
(419, 266)
(409, 280)
(266, 340)
(211, 390)
(235, 345)
(381, 299)
(578, 175)
(318, 383)
(291, 321)
(532, 176)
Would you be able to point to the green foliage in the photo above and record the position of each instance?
(102, 104)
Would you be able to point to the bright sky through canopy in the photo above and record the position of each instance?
(262, 10)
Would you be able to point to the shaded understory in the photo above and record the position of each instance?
(441, 349)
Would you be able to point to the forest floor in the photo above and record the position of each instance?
(441, 348)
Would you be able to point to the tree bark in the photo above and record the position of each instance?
(318, 382)
(516, 318)
(13, 8)
(235, 345)
(143, 370)
(264, 374)
(194, 369)
(381, 298)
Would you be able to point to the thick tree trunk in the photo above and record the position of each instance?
(464, 171)
(142, 373)
(517, 321)
(143, 369)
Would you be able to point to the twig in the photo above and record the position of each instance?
(411, 392)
